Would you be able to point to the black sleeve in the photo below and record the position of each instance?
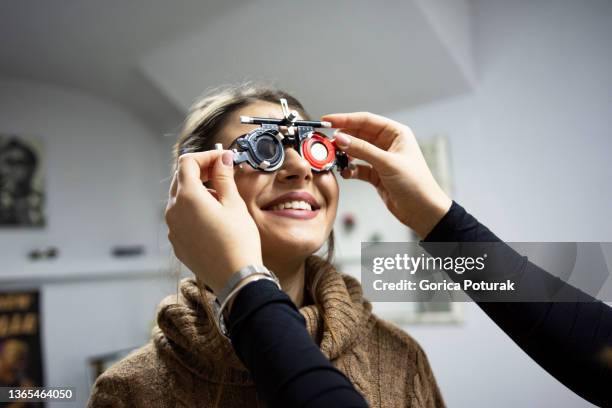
(269, 336)
(570, 340)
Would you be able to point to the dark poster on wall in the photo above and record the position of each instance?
(20, 341)
(22, 193)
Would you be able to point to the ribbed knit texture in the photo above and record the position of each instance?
(190, 363)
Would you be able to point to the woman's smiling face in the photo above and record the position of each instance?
(289, 233)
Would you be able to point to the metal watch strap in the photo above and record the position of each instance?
(240, 275)
(234, 285)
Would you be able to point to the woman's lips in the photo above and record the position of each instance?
(296, 214)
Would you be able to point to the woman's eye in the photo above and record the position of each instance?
(266, 149)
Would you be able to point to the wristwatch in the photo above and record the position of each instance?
(235, 283)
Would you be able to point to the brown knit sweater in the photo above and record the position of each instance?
(188, 363)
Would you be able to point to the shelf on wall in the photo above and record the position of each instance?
(51, 271)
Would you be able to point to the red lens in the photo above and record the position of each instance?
(319, 151)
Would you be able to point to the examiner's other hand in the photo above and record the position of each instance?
(396, 167)
(205, 227)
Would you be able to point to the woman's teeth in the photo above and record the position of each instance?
(294, 205)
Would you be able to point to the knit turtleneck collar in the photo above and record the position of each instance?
(186, 330)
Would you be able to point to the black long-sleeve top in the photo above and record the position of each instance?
(570, 340)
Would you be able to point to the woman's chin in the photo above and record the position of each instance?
(291, 246)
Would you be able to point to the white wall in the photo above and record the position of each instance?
(103, 170)
(100, 159)
(530, 158)
(347, 40)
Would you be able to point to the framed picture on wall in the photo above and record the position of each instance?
(403, 313)
(22, 195)
(21, 362)
(437, 155)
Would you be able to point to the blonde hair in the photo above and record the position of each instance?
(208, 115)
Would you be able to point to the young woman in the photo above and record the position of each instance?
(278, 219)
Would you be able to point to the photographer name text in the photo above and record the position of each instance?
(427, 285)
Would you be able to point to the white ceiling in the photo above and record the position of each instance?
(155, 56)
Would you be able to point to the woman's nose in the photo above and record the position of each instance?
(294, 167)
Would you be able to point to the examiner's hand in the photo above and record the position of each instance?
(212, 233)
(396, 167)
